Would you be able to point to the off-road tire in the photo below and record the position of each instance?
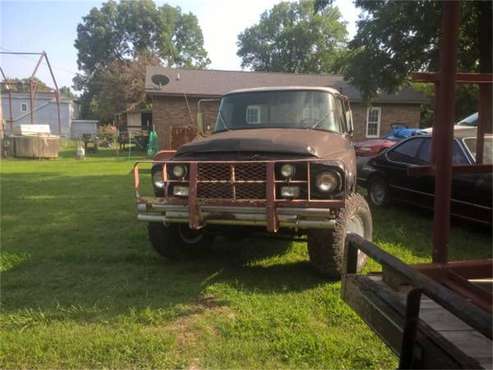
(167, 240)
(326, 247)
(378, 191)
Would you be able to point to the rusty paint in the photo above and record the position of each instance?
(461, 78)
(443, 132)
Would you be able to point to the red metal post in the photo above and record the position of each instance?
(272, 224)
(443, 130)
(7, 87)
(57, 93)
(193, 207)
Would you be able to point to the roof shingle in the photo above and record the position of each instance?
(215, 83)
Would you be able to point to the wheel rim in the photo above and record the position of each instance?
(378, 192)
(357, 226)
(188, 235)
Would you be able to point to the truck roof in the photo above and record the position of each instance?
(286, 88)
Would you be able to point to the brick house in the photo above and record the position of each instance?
(176, 93)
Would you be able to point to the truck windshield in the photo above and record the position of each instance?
(281, 109)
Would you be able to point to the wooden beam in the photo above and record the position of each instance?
(430, 170)
(461, 78)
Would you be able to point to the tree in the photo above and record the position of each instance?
(121, 86)
(121, 32)
(395, 38)
(66, 92)
(22, 85)
(291, 37)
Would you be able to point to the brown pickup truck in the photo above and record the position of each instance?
(278, 160)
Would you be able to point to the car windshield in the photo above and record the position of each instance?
(471, 120)
(487, 150)
(281, 109)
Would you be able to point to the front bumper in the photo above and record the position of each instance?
(157, 210)
(198, 210)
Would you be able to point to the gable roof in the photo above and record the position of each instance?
(216, 83)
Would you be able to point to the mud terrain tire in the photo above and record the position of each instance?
(177, 241)
(326, 247)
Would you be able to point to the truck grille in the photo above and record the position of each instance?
(231, 181)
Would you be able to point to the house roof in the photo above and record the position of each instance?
(216, 83)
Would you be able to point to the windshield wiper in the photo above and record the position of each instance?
(320, 121)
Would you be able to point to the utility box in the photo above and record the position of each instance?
(34, 141)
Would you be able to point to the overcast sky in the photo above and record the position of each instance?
(51, 26)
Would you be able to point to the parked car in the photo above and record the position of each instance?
(388, 180)
(279, 160)
(367, 149)
(468, 123)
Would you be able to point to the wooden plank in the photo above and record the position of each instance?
(381, 308)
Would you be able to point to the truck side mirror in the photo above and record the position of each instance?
(349, 120)
(200, 123)
(201, 127)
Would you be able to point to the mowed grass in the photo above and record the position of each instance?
(81, 287)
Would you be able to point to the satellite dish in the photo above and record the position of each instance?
(160, 80)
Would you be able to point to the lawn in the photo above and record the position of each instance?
(81, 287)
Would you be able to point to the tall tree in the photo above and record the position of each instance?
(120, 32)
(395, 38)
(291, 37)
(121, 86)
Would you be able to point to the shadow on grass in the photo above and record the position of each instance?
(74, 242)
(411, 227)
(73, 245)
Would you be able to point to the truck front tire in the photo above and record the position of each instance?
(326, 247)
(177, 240)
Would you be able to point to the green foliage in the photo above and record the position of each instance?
(23, 85)
(121, 33)
(395, 38)
(81, 287)
(66, 92)
(291, 37)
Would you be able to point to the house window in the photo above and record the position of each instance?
(23, 107)
(253, 114)
(373, 117)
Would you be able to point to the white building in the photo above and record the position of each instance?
(45, 112)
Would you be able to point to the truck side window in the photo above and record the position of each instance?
(253, 114)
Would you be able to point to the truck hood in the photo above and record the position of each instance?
(316, 143)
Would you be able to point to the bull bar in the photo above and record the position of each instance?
(271, 212)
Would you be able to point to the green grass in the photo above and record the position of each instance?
(81, 288)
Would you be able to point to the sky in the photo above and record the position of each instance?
(51, 26)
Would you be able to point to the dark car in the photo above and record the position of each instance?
(388, 178)
(367, 149)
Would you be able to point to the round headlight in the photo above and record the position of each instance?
(287, 170)
(157, 179)
(179, 171)
(327, 182)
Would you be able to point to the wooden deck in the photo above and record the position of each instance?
(443, 340)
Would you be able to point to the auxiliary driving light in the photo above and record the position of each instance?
(327, 182)
(180, 191)
(179, 171)
(287, 170)
(290, 191)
